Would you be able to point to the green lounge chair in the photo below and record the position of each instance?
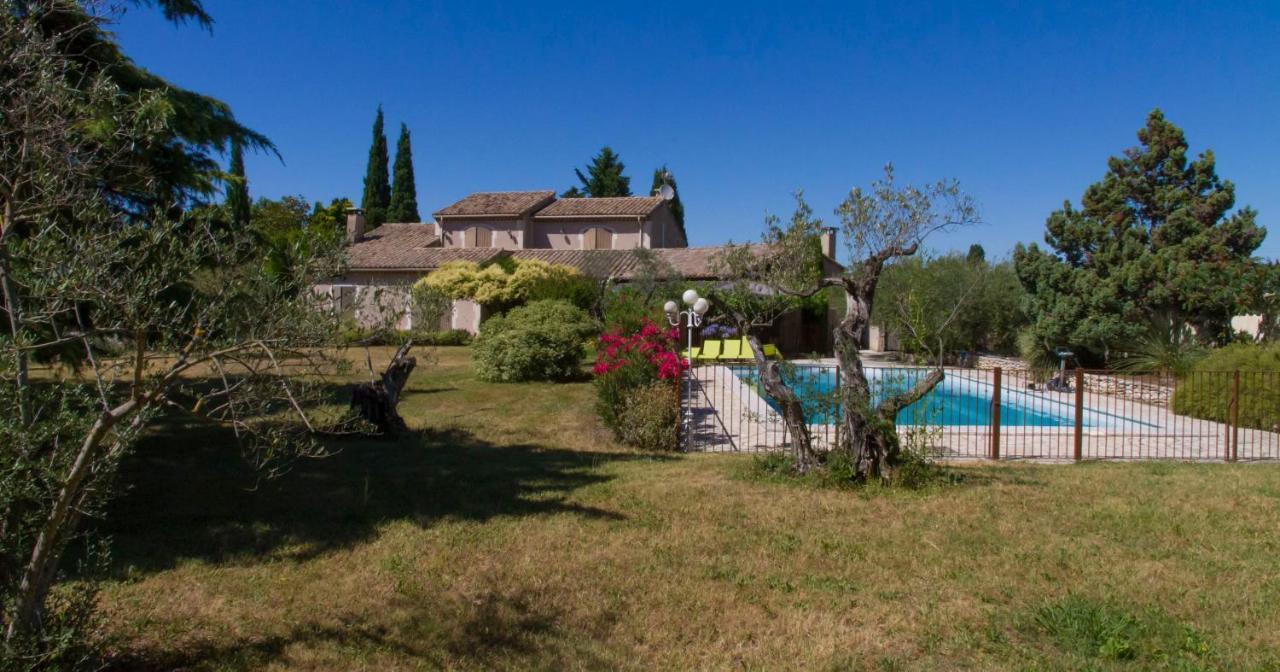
(771, 351)
(732, 350)
(710, 350)
(690, 354)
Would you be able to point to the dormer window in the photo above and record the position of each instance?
(597, 238)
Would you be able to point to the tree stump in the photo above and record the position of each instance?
(376, 401)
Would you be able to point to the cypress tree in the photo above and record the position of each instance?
(604, 176)
(377, 184)
(404, 194)
(237, 201)
(663, 176)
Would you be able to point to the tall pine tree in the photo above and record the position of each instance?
(377, 184)
(1151, 244)
(237, 201)
(604, 177)
(404, 194)
(663, 176)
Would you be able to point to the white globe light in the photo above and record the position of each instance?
(701, 306)
(690, 296)
(670, 307)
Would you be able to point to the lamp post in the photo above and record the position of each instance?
(692, 316)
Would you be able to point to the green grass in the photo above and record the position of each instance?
(507, 531)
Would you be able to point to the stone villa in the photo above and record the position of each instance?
(598, 236)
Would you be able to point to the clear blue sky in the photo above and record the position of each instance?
(746, 102)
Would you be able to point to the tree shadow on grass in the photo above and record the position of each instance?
(188, 494)
(493, 631)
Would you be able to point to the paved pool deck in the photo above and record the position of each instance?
(728, 415)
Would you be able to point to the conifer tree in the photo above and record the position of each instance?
(663, 176)
(237, 201)
(604, 176)
(377, 184)
(1152, 243)
(404, 193)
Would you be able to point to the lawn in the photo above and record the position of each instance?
(508, 531)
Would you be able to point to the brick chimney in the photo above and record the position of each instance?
(828, 239)
(355, 225)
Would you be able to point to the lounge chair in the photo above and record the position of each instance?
(771, 351)
(732, 350)
(691, 354)
(710, 350)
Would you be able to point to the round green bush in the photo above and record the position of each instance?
(1206, 392)
(649, 418)
(543, 340)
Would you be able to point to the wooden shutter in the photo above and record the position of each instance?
(478, 236)
(596, 238)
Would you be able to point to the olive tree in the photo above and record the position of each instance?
(886, 222)
(131, 318)
(756, 292)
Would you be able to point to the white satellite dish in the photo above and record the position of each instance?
(666, 192)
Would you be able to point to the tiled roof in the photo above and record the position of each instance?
(413, 247)
(498, 204)
(592, 263)
(622, 206)
(407, 246)
(689, 262)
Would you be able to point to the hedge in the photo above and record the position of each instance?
(1206, 393)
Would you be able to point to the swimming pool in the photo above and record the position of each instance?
(957, 400)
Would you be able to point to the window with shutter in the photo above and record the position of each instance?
(478, 236)
(597, 238)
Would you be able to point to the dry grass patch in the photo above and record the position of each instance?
(508, 532)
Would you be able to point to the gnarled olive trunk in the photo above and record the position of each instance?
(868, 435)
(376, 401)
(788, 404)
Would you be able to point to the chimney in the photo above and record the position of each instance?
(828, 239)
(355, 225)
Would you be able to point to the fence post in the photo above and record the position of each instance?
(680, 436)
(1078, 452)
(839, 409)
(995, 414)
(1235, 416)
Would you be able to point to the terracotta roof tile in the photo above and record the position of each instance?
(414, 247)
(622, 206)
(407, 246)
(498, 204)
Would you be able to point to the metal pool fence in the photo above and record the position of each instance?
(1005, 414)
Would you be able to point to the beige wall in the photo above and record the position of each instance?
(508, 234)
(376, 298)
(567, 234)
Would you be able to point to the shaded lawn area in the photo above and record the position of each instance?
(507, 531)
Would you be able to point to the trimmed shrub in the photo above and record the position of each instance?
(541, 341)
(1206, 392)
(510, 282)
(650, 416)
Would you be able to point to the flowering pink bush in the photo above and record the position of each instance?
(651, 344)
(627, 364)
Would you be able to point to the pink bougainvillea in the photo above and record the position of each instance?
(650, 345)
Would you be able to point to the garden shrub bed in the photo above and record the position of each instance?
(1207, 392)
(543, 340)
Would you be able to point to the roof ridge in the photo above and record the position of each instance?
(514, 191)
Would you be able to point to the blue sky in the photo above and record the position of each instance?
(746, 102)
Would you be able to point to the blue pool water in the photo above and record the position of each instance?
(955, 401)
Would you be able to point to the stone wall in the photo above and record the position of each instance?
(1122, 387)
(1127, 388)
(988, 362)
